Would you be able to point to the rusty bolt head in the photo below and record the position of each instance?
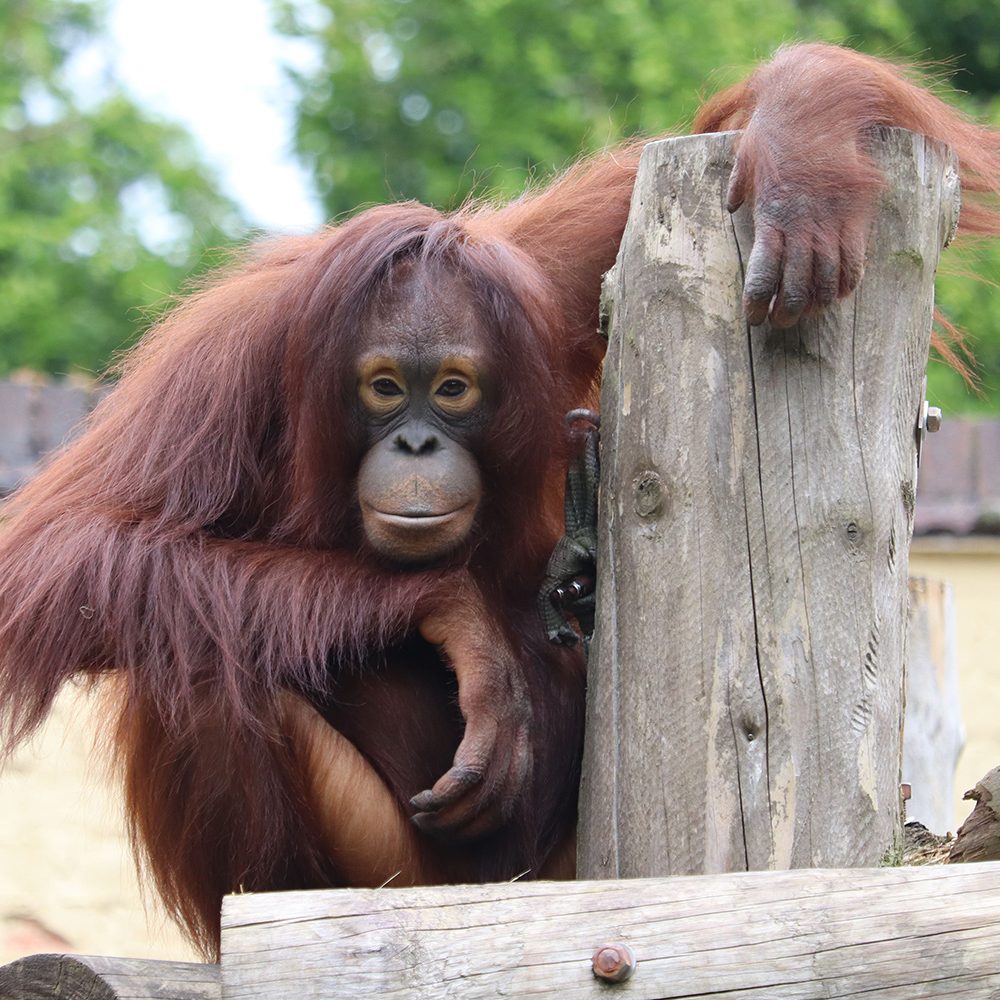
(933, 419)
(906, 790)
(614, 963)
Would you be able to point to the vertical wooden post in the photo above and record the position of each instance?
(933, 735)
(746, 678)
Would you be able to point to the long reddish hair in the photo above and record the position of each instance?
(200, 538)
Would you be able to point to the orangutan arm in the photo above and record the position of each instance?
(493, 762)
(360, 822)
(803, 161)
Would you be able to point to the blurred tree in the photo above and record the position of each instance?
(958, 43)
(962, 36)
(438, 100)
(435, 100)
(103, 212)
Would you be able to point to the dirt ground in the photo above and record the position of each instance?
(974, 573)
(67, 882)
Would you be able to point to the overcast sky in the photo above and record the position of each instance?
(215, 66)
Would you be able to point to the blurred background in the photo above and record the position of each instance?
(141, 139)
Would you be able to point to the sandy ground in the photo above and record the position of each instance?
(67, 882)
(974, 573)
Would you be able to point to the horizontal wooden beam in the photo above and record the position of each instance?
(882, 933)
(94, 977)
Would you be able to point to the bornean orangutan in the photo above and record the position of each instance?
(307, 529)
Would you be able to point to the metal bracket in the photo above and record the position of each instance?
(928, 420)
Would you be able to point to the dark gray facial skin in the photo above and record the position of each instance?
(423, 401)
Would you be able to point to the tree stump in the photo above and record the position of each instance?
(746, 677)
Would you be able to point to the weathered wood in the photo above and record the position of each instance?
(61, 410)
(17, 454)
(883, 933)
(745, 693)
(978, 838)
(923, 847)
(93, 977)
(933, 736)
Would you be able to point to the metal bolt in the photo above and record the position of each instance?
(933, 419)
(906, 790)
(613, 963)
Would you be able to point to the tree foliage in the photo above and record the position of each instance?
(437, 100)
(103, 211)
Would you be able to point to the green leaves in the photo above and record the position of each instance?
(103, 211)
(437, 100)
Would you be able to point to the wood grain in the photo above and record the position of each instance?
(93, 977)
(978, 838)
(895, 933)
(933, 735)
(745, 688)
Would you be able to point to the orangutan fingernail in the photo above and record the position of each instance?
(614, 963)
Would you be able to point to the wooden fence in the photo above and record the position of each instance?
(37, 416)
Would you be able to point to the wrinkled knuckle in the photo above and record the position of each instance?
(758, 288)
(465, 776)
(794, 301)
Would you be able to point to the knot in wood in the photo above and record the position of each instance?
(604, 317)
(648, 489)
(613, 963)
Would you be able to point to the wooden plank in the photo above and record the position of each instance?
(94, 977)
(745, 686)
(933, 736)
(61, 410)
(17, 454)
(978, 838)
(879, 933)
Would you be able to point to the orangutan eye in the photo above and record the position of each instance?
(452, 388)
(456, 388)
(386, 387)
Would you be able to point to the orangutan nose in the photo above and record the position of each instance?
(417, 439)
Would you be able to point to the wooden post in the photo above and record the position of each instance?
(880, 933)
(746, 678)
(933, 736)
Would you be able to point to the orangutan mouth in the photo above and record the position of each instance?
(417, 521)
